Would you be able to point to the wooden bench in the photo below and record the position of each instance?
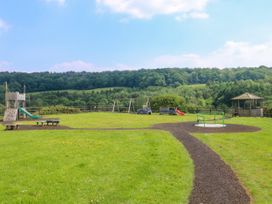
(48, 122)
(52, 122)
(41, 122)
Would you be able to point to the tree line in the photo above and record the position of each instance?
(174, 77)
(197, 88)
(215, 95)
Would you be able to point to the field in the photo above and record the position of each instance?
(94, 166)
(249, 154)
(117, 120)
(132, 166)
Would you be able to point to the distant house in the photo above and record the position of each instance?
(247, 105)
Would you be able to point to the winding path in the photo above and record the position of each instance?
(214, 182)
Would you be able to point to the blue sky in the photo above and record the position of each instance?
(97, 35)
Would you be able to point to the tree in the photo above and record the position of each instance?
(166, 101)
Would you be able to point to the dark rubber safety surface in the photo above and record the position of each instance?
(214, 182)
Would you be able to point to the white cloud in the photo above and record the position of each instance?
(4, 25)
(5, 66)
(79, 66)
(143, 9)
(60, 2)
(76, 66)
(232, 54)
(194, 15)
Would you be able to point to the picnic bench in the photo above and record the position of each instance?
(47, 122)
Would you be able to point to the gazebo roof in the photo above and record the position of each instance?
(247, 96)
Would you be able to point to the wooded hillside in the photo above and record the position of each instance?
(198, 88)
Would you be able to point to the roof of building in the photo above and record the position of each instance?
(247, 96)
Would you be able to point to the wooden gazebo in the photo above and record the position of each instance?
(247, 105)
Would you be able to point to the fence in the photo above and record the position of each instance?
(124, 109)
(267, 113)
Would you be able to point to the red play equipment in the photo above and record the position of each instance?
(180, 112)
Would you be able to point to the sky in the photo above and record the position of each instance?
(99, 35)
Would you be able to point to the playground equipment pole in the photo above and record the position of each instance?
(24, 102)
(129, 107)
(113, 107)
(147, 103)
(223, 118)
(6, 92)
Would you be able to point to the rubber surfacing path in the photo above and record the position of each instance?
(214, 182)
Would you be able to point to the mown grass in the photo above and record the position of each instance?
(249, 154)
(93, 167)
(117, 120)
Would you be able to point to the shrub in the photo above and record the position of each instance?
(58, 109)
(167, 101)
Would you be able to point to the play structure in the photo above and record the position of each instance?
(211, 120)
(180, 113)
(171, 111)
(16, 106)
(146, 108)
(128, 109)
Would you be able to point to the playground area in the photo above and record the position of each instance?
(168, 157)
(15, 111)
(211, 120)
(142, 151)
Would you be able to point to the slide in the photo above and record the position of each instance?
(180, 112)
(24, 111)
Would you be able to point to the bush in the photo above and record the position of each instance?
(167, 101)
(58, 109)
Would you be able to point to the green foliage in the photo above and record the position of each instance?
(57, 110)
(199, 88)
(195, 97)
(166, 101)
(134, 79)
(224, 92)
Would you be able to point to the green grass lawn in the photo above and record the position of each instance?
(142, 166)
(118, 120)
(249, 154)
(93, 167)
